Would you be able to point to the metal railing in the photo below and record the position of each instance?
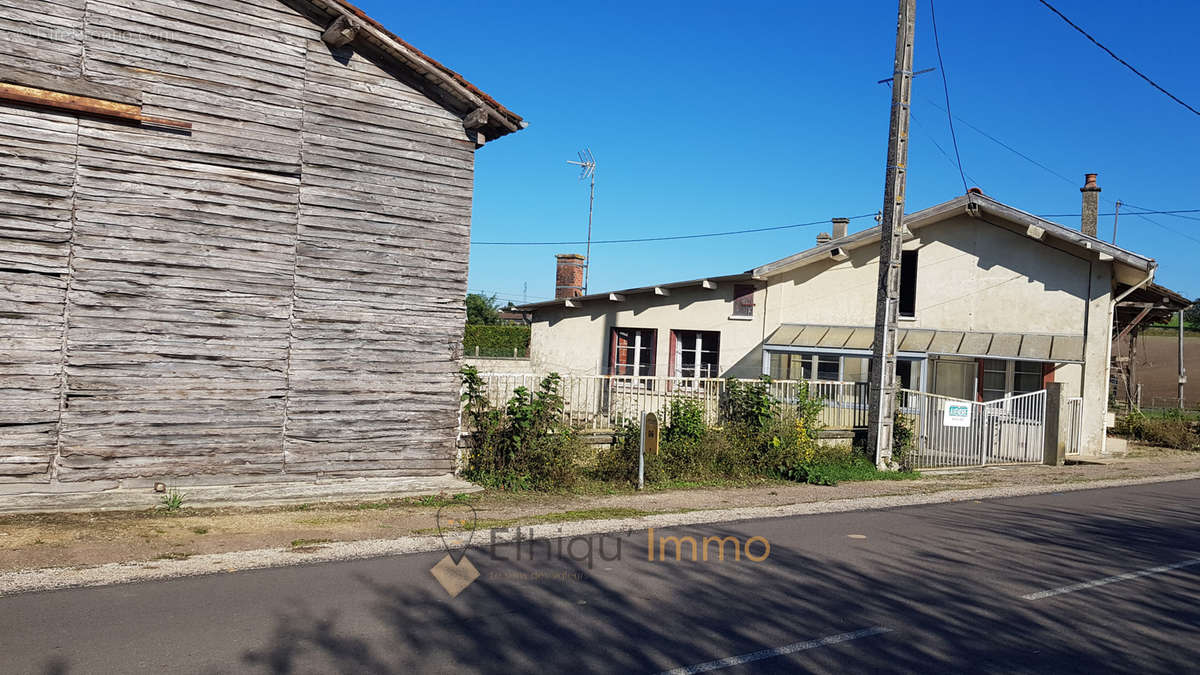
(1006, 430)
(1074, 425)
(608, 401)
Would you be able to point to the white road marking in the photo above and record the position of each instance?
(777, 651)
(1111, 580)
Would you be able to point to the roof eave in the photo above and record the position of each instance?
(623, 294)
(467, 97)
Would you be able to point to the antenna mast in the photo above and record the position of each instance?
(587, 164)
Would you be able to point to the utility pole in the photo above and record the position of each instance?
(891, 240)
(1182, 371)
(1116, 215)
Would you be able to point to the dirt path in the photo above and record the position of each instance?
(29, 541)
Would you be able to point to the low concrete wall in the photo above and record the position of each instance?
(499, 364)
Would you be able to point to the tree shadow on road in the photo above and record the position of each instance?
(946, 580)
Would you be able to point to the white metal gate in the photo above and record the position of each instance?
(1011, 429)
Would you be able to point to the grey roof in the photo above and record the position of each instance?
(1020, 346)
(977, 205)
(607, 295)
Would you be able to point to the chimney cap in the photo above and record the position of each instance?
(1089, 183)
(974, 191)
(568, 256)
(824, 237)
(840, 220)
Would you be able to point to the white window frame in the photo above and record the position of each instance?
(698, 350)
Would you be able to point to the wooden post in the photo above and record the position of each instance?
(891, 239)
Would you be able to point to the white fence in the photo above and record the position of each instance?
(1074, 425)
(1005, 430)
(608, 401)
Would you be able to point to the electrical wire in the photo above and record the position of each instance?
(1119, 59)
(946, 90)
(665, 238)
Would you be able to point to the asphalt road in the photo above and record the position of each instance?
(960, 587)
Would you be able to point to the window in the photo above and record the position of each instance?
(1027, 377)
(908, 284)
(995, 379)
(743, 300)
(632, 352)
(856, 369)
(828, 367)
(954, 378)
(697, 353)
(1007, 378)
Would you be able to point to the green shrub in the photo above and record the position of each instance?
(1171, 429)
(496, 340)
(523, 446)
(904, 442)
(685, 420)
(748, 404)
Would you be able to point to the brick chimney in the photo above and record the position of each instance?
(568, 277)
(1091, 205)
(839, 227)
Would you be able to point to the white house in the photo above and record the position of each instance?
(994, 302)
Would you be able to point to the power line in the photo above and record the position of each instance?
(1004, 145)
(1119, 59)
(667, 238)
(946, 89)
(1177, 213)
(1143, 212)
(938, 145)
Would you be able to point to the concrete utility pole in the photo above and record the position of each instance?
(1182, 371)
(891, 239)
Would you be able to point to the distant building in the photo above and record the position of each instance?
(994, 302)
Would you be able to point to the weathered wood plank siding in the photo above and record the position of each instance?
(276, 292)
(380, 273)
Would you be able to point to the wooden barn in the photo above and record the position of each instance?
(233, 243)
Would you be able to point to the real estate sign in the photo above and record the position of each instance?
(958, 414)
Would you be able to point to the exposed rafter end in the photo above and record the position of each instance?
(616, 297)
(572, 303)
(710, 285)
(659, 290)
(340, 33)
(1035, 232)
(1104, 257)
(838, 254)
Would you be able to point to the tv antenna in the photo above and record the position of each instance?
(587, 166)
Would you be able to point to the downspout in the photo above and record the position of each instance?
(1112, 314)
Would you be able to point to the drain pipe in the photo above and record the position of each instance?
(1112, 313)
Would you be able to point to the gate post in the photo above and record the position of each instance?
(1052, 450)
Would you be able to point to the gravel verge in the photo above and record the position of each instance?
(45, 579)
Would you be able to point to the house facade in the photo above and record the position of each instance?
(233, 244)
(994, 302)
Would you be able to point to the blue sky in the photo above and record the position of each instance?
(707, 117)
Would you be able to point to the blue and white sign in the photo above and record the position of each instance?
(958, 414)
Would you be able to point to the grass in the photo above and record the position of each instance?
(172, 501)
(200, 530)
(601, 513)
(857, 469)
(305, 543)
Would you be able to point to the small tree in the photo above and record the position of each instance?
(482, 310)
(1191, 317)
